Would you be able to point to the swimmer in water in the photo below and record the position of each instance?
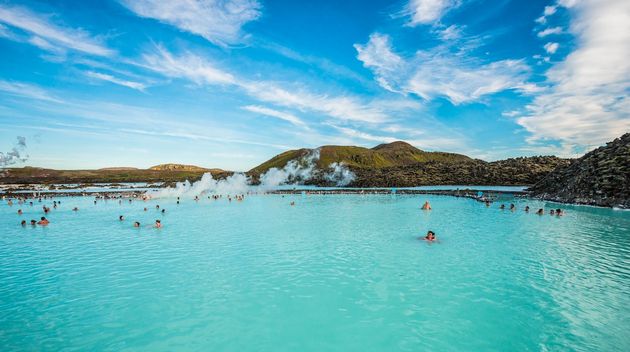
(136, 224)
(512, 207)
(33, 223)
(19, 211)
(158, 224)
(487, 203)
(121, 218)
(75, 209)
(551, 212)
(426, 206)
(145, 209)
(527, 208)
(157, 206)
(23, 223)
(163, 211)
(43, 221)
(430, 236)
(292, 203)
(540, 211)
(559, 212)
(502, 206)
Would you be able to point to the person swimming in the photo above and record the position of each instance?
(292, 203)
(551, 212)
(540, 211)
(163, 211)
(430, 236)
(136, 224)
(75, 209)
(121, 218)
(527, 208)
(23, 223)
(33, 222)
(43, 221)
(20, 212)
(158, 224)
(559, 212)
(426, 206)
(502, 206)
(145, 209)
(512, 207)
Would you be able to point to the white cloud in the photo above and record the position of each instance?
(50, 36)
(428, 11)
(451, 32)
(587, 103)
(550, 10)
(189, 66)
(551, 48)
(201, 71)
(548, 31)
(440, 73)
(122, 82)
(26, 90)
(218, 21)
(275, 113)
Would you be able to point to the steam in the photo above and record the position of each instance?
(15, 155)
(297, 171)
(340, 174)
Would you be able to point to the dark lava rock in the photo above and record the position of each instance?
(601, 177)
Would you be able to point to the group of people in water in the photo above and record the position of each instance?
(430, 236)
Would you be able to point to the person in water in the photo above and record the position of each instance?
(426, 206)
(551, 212)
(75, 209)
(430, 236)
(559, 212)
(512, 207)
(23, 223)
(158, 224)
(33, 223)
(19, 211)
(121, 218)
(540, 211)
(136, 224)
(502, 206)
(43, 221)
(527, 208)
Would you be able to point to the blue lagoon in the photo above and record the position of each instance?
(332, 272)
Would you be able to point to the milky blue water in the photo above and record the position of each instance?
(332, 273)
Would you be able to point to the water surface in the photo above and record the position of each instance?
(332, 273)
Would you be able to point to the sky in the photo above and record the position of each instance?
(231, 83)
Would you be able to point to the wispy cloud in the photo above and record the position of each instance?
(275, 113)
(202, 71)
(428, 11)
(122, 82)
(438, 72)
(218, 21)
(48, 35)
(549, 31)
(26, 90)
(551, 48)
(587, 103)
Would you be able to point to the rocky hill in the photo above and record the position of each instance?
(399, 164)
(600, 177)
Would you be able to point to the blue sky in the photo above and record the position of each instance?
(231, 83)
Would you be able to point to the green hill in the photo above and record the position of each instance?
(382, 156)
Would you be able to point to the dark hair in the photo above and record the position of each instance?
(23, 222)
(136, 223)
(558, 210)
(43, 218)
(158, 221)
(33, 221)
(120, 217)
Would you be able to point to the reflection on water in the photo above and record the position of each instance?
(336, 272)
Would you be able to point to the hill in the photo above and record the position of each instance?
(400, 164)
(394, 154)
(600, 177)
(181, 167)
(106, 175)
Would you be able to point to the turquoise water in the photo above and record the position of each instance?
(332, 273)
